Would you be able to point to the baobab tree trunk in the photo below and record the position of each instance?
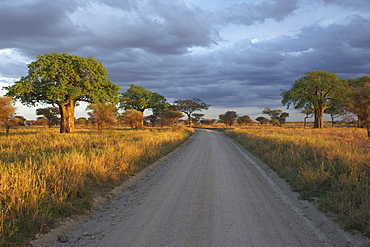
(319, 118)
(67, 115)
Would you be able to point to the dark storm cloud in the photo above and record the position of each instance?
(251, 13)
(179, 50)
(32, 26)
(171, 32)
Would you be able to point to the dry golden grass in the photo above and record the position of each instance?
(45, 175)
(331, 165)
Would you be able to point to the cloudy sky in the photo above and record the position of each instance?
(233, 54)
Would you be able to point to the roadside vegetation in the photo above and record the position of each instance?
(329, 166)
(46, 175)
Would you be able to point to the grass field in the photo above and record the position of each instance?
(45, 175)
(330, 166)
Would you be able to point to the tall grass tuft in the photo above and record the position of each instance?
(45, 175)
(329, 165)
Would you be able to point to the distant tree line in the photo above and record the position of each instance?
(134, 102)
(63, 80)
(277, 118)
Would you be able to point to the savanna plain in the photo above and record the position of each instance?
(45, 175)
(328, 166)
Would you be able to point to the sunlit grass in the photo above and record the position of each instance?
(331, 165)
(45, 174)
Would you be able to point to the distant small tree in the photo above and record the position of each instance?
(277, 116)
(151, 120)
(7, 112)
(262, 120)
(173, 116)
(207, 121)
(132, 117)
(334, 111)
(228, 118)
(190, 106)
(275, 122)
(50, 113)
(102, 114)
(245, 120)
(41, 121)
(197, 117)
(283, 116)
(82, 121)
(308, 111)
(274, 114)
(20, 120)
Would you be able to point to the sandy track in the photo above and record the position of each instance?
(210, 193)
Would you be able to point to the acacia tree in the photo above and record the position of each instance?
(317, 89)
(132, 117)
(7, 111)
(308, 111)
(197, 117)
(228, 118)
(245, 120)
(140, 99)
(63, 80)
(50, 114)
(274, 114)
(262, 120)
(102, 114)
(189, 106)
(170, 117)
(278, 117)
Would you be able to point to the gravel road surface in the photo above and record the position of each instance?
(210, 193)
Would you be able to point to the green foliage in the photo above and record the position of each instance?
(140, 99)
(272, 113)
(245, 120)
(64, 79)
(262, 120)
(228, 118)
(358, 101)
(277, 116)
(61, 78)
(317, 90)
(50, 113)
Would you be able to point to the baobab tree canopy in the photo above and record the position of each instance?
(318, 90)
(64, 79)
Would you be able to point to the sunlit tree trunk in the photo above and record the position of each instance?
(319, 118)
(67, 121)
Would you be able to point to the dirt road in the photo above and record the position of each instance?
(210, 193)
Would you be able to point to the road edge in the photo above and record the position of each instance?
(66, 224)
(324, 226)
